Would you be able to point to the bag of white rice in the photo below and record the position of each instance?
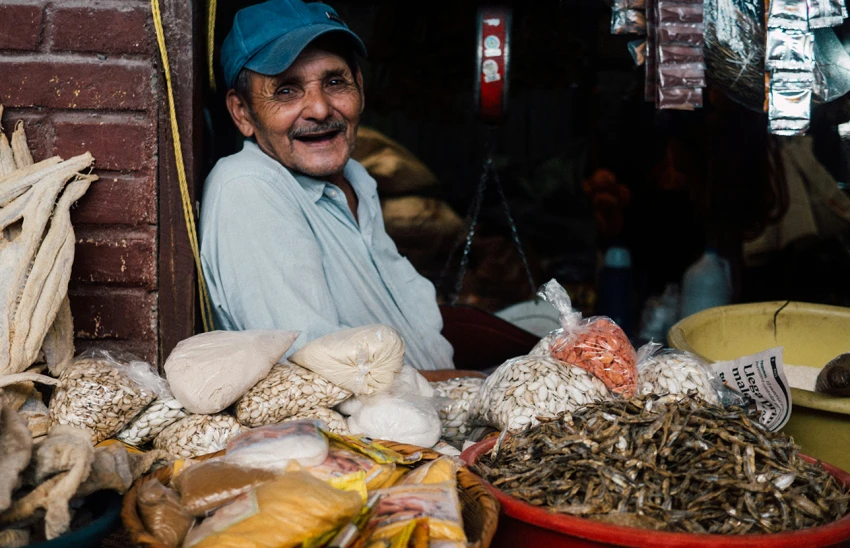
(210, 371)
(363, 360)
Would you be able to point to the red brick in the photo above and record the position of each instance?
(117, 199)
(38, 128)
(115, 256)
(104, 30)
(113, 313)
(117, 142)
(20, 26)
(76, 83)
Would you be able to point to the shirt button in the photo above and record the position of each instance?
(332, 193)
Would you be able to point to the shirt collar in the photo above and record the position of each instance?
(363, 183)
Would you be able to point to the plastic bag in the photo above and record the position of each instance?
(287, 390)
(334, 422)
(438, 502)
(283, 513)
(407, 381)
(103, 391)
(276, 446)
(440, 470)
(542, 346)
(207, 485)
(402, 418)
(342, 461)
(210, 371)
(454, 414)
(198, 435)
(596, 344)
(156, 417)
(674, 373)
(523, 388)
(363, 360)
(162, 513)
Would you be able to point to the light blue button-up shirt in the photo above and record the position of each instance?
(283, 251)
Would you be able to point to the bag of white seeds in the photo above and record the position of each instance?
(673, 373)
(198, 435)
(527, 387)
(542, 346)
(287, 390)
(103, 391)
(454, 413)
(158, 416)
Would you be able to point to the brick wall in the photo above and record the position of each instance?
(84, 76)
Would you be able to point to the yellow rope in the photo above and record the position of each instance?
(211, 7)
(206, 309)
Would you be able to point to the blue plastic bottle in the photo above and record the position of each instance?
(706, 283)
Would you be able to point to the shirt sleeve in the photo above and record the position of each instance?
(263, 264)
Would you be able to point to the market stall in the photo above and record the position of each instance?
(733, 433)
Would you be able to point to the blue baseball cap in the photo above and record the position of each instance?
(268, 37)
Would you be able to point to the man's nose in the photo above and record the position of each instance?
(317, 106)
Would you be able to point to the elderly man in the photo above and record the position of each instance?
(292, 235)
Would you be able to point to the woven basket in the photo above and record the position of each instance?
(479, 507)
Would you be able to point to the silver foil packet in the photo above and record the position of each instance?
(826, 13)
(637, 49)
(788, 14)
(790, 102)
(790, 50)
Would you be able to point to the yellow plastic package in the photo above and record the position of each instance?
(400, 505)
(342, 461)
(438, 470)
(282, 513)
(374, 450)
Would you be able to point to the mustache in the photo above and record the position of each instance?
(336, 125)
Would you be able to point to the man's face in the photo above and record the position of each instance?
(306, 117)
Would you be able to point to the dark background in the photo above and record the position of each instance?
(576, 106)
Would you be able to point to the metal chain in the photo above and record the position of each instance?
(515, 234)
(464, 259)
(489, 172)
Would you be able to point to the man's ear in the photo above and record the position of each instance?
(241, 114)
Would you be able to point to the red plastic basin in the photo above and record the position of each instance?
(521, 524)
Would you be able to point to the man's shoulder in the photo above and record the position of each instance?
(246, 165)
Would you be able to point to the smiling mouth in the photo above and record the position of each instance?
(318, 138)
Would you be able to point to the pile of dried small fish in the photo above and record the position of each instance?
(678, 466)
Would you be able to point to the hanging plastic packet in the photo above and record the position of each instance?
(790, 102)
(596, 344)
(679, 52)
(276, 446)
(650, 90)
(628, 17)
(790, 59)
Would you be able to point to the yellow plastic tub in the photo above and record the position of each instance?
(812, 334)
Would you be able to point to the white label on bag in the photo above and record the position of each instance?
(760, 377)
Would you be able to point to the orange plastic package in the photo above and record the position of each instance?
(283, 513)
(597, 344)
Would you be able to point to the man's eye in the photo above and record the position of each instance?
(284, 91)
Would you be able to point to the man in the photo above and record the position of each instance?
(292, 235)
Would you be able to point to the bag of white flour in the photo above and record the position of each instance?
(210, 371)
(363, 360)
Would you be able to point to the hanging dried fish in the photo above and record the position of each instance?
(684, 466)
